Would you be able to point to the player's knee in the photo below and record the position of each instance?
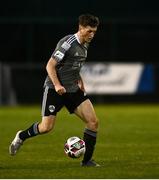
(93, 124)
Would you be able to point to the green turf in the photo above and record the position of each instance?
(127, 146)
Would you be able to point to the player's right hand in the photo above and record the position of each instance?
(60, 89)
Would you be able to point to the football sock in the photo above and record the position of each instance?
(90, 141)
(30, 132)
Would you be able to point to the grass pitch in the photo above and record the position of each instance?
(127, 146)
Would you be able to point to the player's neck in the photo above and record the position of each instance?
(80, 38)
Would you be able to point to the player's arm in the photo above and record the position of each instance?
(56, 58)
(51, 70)
(81, 84)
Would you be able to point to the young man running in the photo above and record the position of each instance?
(64, 87)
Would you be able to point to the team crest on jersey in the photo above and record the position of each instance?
(51, 108)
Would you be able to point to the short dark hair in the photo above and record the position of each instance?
(88, 20)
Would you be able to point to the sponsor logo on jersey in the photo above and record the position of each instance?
(77, 65)
(59, 54)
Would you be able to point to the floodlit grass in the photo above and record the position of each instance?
(127, 146)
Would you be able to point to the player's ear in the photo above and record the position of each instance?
(80, 27)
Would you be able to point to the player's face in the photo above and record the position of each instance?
(88, 33)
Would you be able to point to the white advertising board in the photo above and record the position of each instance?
(113, 78)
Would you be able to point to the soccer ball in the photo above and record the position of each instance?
(74, 147)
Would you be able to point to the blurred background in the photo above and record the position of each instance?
(122, 64)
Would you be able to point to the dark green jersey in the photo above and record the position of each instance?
(70, 56)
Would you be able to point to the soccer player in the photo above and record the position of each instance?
(64, 87)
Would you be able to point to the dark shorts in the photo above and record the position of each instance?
(53, 102)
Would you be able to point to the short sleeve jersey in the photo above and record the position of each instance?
(70, 56)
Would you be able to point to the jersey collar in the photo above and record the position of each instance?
(84, 45)
(77, 38)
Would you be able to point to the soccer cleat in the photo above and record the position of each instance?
(15, 145)
(90, 163)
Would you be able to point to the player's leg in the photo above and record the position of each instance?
(49, 111)
(44, 126)
(86, 112)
